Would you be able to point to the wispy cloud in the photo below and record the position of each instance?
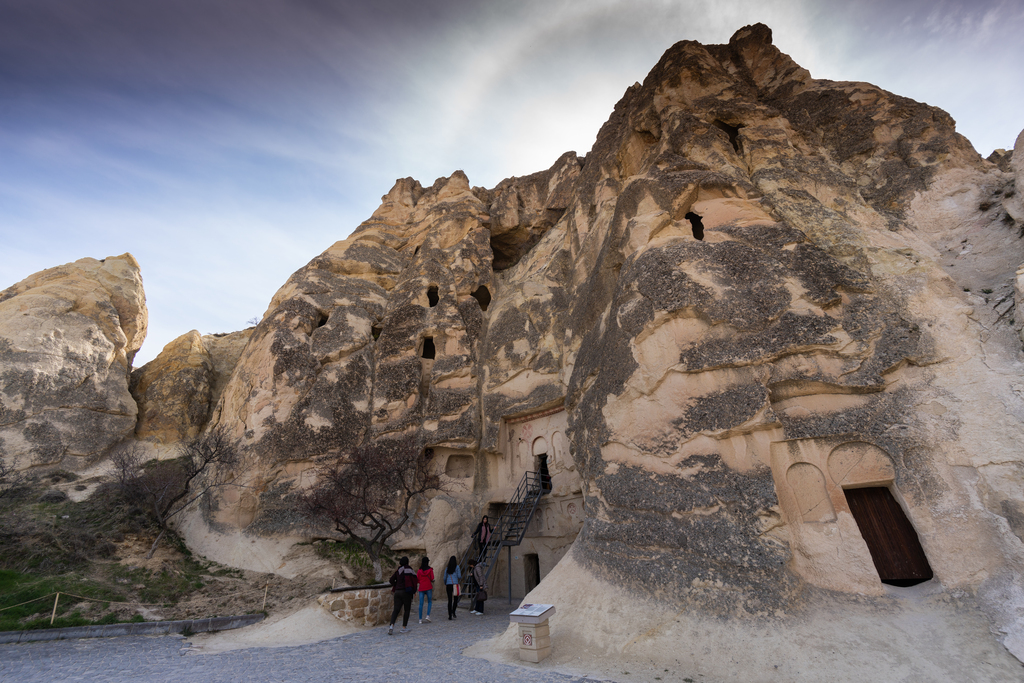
(227, 142)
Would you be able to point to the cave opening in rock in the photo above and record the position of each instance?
(428, 348)
(891, 539)
(732, 131)
(505, 253)
(696, 224)
(432, 297)
(375, 331)
(482, 296)
(321, 320)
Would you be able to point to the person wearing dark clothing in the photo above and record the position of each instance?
(479, 574)
(403, 585)
(482, 534)
(452, 581)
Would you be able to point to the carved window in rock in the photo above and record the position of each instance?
(808, 484)
(428, 352)
(482, 296)
(890, 537)
(696, 225)
(432, 297)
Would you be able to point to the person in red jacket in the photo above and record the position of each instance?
(425, 577)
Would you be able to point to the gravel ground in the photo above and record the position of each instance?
(428, 653)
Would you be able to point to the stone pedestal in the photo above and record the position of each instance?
(534, 641)
(534, 633)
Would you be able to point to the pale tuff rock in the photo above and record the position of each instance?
(757, 293)
(67, 338)
(173, 391)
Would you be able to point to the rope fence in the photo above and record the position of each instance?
(57, 594)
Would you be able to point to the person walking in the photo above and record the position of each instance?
(482, 534)
(453, 586)
(479, 574)
(403, 585)
(425, 577)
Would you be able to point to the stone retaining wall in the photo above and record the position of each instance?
(363, 606)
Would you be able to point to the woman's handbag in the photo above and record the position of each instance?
(457, 590)
(481, 595)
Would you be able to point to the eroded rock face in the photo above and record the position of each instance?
(176, 391)
(67, 338)
(173, 391)
(757, 291)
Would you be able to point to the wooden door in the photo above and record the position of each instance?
(895, 548)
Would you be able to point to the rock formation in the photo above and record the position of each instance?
(176, 391)
(67, 339)
(760, 305)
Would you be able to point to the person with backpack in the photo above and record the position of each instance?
(452, 586)
(403, 585)
(425, 578)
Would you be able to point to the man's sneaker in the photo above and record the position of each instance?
(421, 621)
(427, 618)
(404, 630)
(391, 630)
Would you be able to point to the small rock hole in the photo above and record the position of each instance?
(428, 348)
(482, 296)
(432, 297)
(322, 320)
(375, 331)
(733, 132)
(696, 224)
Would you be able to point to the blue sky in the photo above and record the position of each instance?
(225, 143)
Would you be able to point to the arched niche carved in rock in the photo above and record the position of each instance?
(808, 485)
(858, 463)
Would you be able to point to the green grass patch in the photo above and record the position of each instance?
(26, 601)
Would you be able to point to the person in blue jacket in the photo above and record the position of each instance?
(452, 580)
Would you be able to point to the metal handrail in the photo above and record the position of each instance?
(508, 531)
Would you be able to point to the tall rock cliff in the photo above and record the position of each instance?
(758, 299)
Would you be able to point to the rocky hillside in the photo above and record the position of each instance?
(757, 292)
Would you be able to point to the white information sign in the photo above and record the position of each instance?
(532, 613)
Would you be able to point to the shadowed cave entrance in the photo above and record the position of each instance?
(890, 537)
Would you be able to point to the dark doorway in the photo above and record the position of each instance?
(432, 297)
(531, 571)
(895, 548)
(545, 475)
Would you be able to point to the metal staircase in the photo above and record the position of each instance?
(508, 531)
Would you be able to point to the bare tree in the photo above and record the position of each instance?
(10, 477)
(367, 495)
(167, 487)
